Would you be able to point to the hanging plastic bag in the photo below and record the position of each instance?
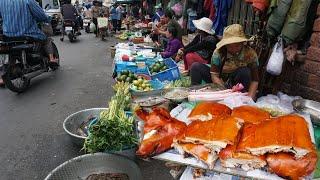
(276, 59)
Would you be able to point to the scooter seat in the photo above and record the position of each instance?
(22, 47)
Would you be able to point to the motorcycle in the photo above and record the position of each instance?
(86, 24)
(22, 59)
(69, 29)
(56, 24)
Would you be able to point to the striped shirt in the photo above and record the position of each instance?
(20, 18)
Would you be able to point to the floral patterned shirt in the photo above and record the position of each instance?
(247, 57)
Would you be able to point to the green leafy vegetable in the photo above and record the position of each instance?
(114, 131)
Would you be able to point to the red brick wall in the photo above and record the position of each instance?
(304, 80)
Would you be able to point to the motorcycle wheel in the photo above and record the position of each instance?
(15, 81)
(87, 29)
(56, 55)
(71, 37)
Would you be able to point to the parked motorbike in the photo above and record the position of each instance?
(69, 29)
(22, 59)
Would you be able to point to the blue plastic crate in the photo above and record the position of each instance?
(130, 66)
(123, 65)
(171, 74)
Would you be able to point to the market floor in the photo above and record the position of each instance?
(32, 140)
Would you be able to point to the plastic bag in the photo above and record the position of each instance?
(236, 101)
(276, 59)
(92, 27)
(102, 22)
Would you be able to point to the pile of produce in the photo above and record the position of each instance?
(184, 81)
(142, 85)
(125, 35)
(126, 76)
(114, 130)
(157, 67)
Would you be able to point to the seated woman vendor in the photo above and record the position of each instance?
(201, 48)
(174, 43)
(232, 62)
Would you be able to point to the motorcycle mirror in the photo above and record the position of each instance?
(47, 7)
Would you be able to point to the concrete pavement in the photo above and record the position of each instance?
(32, 140)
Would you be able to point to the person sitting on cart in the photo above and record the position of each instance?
(202, 47)
(174, 43)
(232, 62)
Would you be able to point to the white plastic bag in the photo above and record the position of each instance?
(92, 27)
(276, 59)
(102, 22)
(236, 101)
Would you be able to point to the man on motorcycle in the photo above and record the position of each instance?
(20, 19)
(69, 12)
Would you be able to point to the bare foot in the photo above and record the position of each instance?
(1, 83)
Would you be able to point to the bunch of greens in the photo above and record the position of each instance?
(114, 131)
(184, 81)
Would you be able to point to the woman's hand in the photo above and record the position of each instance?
(156, 30)
(157, 44)
(178, 58)
(216, 80)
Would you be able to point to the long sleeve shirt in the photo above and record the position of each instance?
(203, 46)
(20, 18)
(172, 48)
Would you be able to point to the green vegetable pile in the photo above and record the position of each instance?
(126, 76)
(114, 131)
(184, 81)
(157, 67)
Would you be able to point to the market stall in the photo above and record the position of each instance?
(212, 131)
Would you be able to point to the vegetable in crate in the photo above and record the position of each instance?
(157, 67)
(126, 76)
(114, 131)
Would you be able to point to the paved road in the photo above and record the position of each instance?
(32, 140)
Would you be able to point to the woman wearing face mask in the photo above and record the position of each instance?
(201, 48)
(232, 62)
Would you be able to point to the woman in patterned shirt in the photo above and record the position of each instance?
(232, 62)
